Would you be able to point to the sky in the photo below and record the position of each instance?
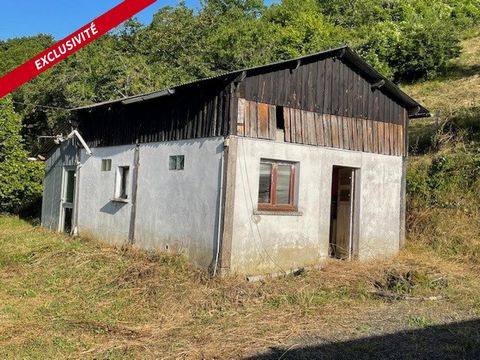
(62, 17)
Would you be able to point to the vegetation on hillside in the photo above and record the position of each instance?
(443, 180)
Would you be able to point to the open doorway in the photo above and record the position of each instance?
(343, 243)
(68, 191)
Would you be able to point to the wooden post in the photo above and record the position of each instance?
(229, 176)
(133, 211)
(403, 187)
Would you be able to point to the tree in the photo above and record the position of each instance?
(20, 180)
(301, 28)
(404, 39)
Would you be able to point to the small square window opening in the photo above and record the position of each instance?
(176, 162)
(106, 164)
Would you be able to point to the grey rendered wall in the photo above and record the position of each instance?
(272, 243)
(98, 216)
(176, 210)
(63, 156)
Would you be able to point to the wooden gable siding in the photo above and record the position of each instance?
(187, 114)
(258, 120)
(326, 103)
(327, 86)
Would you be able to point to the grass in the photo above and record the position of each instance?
(458, 87)
(75, 298)
(452, 97)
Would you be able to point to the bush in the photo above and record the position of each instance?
(20, 179)
(445, 181)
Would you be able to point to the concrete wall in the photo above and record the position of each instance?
(64, 155)
(272, 243)
(98, 216)
(176, 210)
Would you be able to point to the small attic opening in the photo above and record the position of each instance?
(280, 116)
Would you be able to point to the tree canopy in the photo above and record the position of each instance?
(20, 180)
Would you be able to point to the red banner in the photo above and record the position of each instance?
(71, 44)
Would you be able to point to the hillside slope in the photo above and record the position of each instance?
(459, 87)
(444, 179)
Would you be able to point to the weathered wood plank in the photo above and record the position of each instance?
(344, 141)
(335, 130)
(286, 117)
(319, 129)
(298, 126)
(311, 127)
(241, 117)
(320, 87)
(263, 120)
(272, 122)
(327, 105)
(252, 106)
(327, 129)
(365, 134)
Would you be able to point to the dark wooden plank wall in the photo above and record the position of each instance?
(190, 113)
(258, 120)
(326, 103)
(327, 92)
(328, 86)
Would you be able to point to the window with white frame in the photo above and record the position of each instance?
(122, 182)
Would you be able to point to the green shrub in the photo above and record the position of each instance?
(445, 181)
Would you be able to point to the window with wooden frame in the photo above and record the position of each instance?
(276, 190)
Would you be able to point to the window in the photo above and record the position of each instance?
(69, 186)
(106, 164)
(276, 186)
(121, 191)
(176, 162)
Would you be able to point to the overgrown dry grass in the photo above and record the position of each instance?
(62, 297)
(453, 96)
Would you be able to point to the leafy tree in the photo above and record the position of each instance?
(406, 39)
(15, 52)
(301, 28)
(20, 180)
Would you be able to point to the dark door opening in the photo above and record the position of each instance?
(342, 213)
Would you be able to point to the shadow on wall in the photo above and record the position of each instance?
(459, 340)
(112, 207)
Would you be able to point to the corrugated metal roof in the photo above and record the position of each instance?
(344, 52)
